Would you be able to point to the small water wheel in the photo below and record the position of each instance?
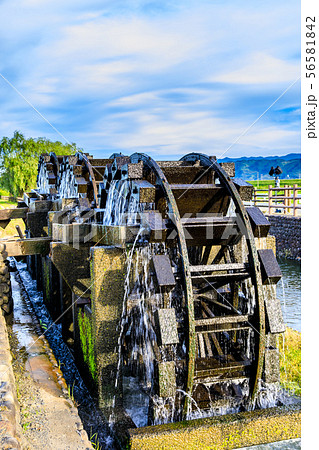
(48, 173)
(195, 332)
(80, 176)
(71, 176)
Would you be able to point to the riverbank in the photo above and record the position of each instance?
(290, 361)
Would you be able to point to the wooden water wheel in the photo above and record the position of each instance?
(207, 324)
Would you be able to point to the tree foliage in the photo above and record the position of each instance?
(19, 160)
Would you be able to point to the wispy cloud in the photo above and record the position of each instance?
(260, 68)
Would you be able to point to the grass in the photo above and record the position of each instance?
(5, 192)
(5, 204)
(95, 442)
(26, 425)
(290, 361)
(43, 325)
(70, 392)
(71, 395)
(263, 184)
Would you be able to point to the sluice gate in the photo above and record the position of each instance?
(163, 280)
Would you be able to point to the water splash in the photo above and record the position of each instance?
(164, 409)
(123, 321)
(68, 188)
(42, 182)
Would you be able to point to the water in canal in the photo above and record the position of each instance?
(292, 444)
(289, 292)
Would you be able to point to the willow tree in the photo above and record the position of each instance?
(19, 160)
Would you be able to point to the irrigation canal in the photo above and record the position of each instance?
(289, 292)
(30, 317)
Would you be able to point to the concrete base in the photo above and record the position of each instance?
(108, 269)
(220, 433)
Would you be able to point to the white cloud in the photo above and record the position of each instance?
(176, 133)
(260, 68)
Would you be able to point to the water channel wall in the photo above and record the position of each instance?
(221, 432)
(10, 430)
(287, 230)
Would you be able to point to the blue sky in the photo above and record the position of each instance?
(161, 77)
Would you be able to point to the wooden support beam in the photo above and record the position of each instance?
(201, 345)
(13, 213)
(213, 300)
(229, 369)
(23, 247)
(144, 191)
(219, 267)
(222, 320)
(213, 335)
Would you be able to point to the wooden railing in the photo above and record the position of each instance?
(282, 200)
(7, 198)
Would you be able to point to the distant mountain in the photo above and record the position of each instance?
(258, 167)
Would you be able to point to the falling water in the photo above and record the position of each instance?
(111, 200)
(139, 337)
(68, 188)
(122, 204)
(42, 183)
(137, 334)
(123, 320)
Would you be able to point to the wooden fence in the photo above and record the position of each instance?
(6, 198)
(282, 200)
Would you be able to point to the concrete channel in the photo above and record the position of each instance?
(37, 406)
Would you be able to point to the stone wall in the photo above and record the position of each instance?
(287, 230)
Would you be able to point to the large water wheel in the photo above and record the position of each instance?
(200, 314)
(194, 327)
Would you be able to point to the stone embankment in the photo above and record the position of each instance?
(287, 230)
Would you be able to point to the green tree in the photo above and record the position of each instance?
(19, 160)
